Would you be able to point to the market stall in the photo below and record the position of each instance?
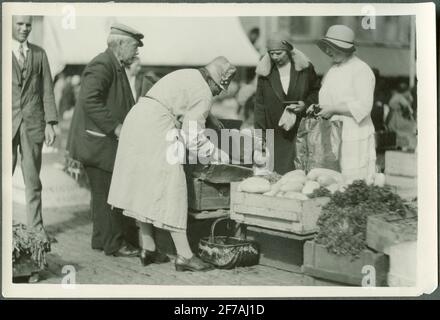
(312, 221)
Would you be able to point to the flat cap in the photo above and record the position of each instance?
(122, 29)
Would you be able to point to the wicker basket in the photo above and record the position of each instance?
(226, 252)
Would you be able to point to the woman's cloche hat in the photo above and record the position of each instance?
(221, 71)
(281, 41)
(338, 37)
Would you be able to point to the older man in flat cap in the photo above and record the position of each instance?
(104, 100)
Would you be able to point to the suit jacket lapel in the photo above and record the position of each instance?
(29, 63)
(123, 76)
(16, 69)
(275, 82)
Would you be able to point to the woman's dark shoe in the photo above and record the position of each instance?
(193, 264)
(147, 257)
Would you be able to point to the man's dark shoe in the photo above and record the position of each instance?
(126, 251)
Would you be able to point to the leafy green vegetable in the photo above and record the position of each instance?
(320, 192)
(27, 242)
(343, 222)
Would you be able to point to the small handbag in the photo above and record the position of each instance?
(226, 252)
(288, 119)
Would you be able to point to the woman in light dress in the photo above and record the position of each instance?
(347, 94)
(148, 180)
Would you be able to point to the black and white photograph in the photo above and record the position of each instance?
(219, 150)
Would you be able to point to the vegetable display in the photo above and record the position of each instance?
(295, 184)
(343, 221)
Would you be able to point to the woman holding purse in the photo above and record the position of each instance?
(287, 84)
(347, 94)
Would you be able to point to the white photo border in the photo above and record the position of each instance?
(427, 270)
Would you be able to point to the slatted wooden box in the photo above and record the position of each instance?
(403, 264)
(384, 231)
(319, 263)
(406, 187)
(203, 195)
(289, 215)
(398, 163)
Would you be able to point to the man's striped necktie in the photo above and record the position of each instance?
(22, 60)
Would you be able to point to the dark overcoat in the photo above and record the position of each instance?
(304, 86)
(103, 102)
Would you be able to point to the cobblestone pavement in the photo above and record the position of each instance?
(72, 228)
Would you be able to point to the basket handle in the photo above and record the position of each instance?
(211, 238)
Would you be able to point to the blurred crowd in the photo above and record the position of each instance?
(394, 110)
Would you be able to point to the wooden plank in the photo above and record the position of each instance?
(271, 223)
(382, 233)
(400, 163)
(213, 214)
(212, 203)
(271, 212)
(262, 201)
(288, 235)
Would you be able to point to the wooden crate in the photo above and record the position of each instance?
(24, 267)
(289, 215)
(278, 249)
(320, 263)
(398, 163)
(403, 264)
(383, 231)
(406, 187)
(203, 195)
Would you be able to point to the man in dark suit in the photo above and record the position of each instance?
(34, 113)
(104, 100)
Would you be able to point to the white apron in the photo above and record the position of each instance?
(352, 83)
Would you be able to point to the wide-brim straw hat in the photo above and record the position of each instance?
(338, 37)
